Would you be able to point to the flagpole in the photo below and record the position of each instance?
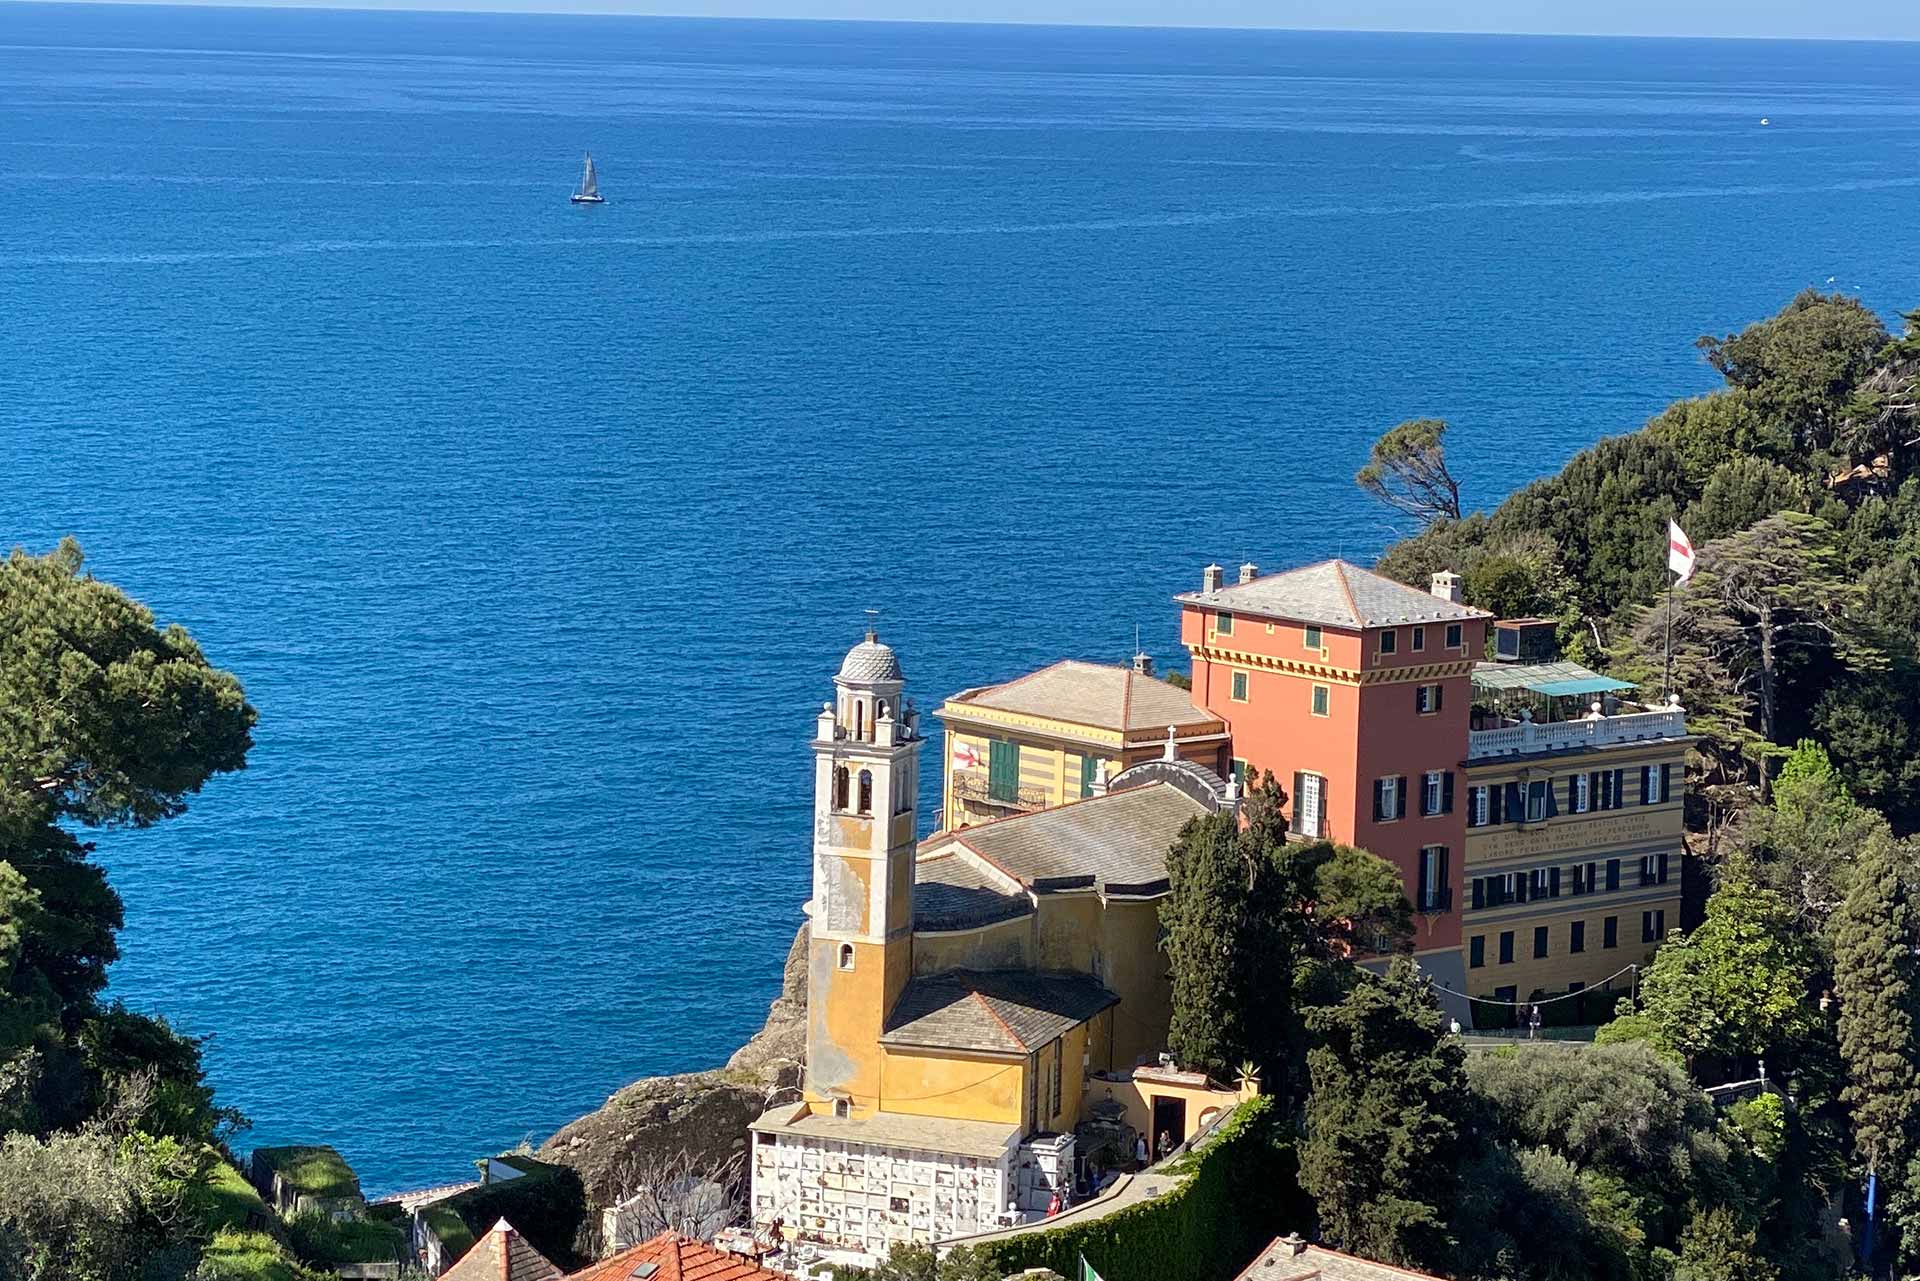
(1668, 691)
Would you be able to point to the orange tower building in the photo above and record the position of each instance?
(1354, 690)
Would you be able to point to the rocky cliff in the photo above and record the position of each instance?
(703, 1114)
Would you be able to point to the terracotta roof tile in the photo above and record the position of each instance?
(675, 1258)
(502, 1255)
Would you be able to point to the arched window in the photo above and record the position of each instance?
(843, 1107)
(846, 956)
(866, 791)
(880, 709)
(859, 719)
(840, 787)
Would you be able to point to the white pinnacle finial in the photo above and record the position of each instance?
(1170, 752)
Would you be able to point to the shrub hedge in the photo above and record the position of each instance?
(547, 1206)
(1242, 1190)
(251, 1256)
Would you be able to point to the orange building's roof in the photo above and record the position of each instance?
(1333, 593)
(669, 1257)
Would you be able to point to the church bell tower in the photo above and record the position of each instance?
(866, 749)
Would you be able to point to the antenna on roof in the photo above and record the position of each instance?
(873, 623)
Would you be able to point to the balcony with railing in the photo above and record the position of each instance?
(1544, 708)
(1530, 738)
(976, 789)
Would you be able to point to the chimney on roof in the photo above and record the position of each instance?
(1211, 578)
(1249, 571)
(1293, 1244)
(1446, 585)
(1142, 663)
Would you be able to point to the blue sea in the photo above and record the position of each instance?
(536, 532)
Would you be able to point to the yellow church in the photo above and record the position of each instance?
(971, 998)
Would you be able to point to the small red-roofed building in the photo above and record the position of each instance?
(503, 1255)
(670, 1257)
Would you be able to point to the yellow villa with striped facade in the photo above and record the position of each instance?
(1055, 735)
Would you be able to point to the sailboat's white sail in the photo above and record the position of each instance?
(589, 184)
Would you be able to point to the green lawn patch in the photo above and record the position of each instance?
(316, 1171)
(251, 1256)
(227, 1200)
(326, 1242)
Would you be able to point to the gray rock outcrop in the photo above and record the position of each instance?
(702, 1114)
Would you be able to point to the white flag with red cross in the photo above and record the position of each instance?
(1680, 557)
(967, 756)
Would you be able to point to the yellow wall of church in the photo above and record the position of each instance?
(949, 1084)
(1004, 945)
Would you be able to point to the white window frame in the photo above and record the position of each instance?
(1310, 807)
(1432, 785)
(1536, 800)
(1582, 792)
(1424, 700)
(1430, 875)
(1392, 804)
(1479, 807)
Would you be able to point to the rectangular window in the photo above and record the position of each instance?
(1320, 699)
(1433, 893)
(1239, 687)
(1610, 932)
(1003, 770)
(1580, 793)
(1577, 937)
(1540, 883)
(1223, 624)
(1455, 636)
(1426, 699)
(1431, 785)
(1660, 870)
(1419, 639)
(1313, 638)
(1613, 874)
(1653, 784)
(1090, 771)
(1054, 1092)
(1506, 947)
(1309, 804)
(1536, 800)
(1652, 926)
(1479, 891)
(1389, 641)
(1388, 803)
(1239, 771)
(1476, 807)
(1647, 870)
(1539, 942)
(1477, 952)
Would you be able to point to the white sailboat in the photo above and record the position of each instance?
(589, 193)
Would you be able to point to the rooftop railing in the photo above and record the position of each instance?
(1527, 738)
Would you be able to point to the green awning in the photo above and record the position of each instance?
(1552, 680)
(1583, 685)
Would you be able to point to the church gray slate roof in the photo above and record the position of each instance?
(871, 660)
(1115, 843)
(953, 894)
(998, 1011)
(1333, 593)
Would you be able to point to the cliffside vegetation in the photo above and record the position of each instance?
(1796, 651)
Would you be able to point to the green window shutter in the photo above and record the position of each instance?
(1089, 770)
(1003, 770)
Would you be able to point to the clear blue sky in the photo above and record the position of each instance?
(1815, 19)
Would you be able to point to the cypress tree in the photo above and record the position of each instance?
(1877, 979)
(1381, 1156)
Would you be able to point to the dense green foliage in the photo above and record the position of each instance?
(1382, 1120)
(1796, 652)
(1240, 1193)
(1253, 922)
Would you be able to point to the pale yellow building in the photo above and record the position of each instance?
(962, 994)
(1050, 736)
(1574, 832)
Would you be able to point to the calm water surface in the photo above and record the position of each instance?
(536, 532)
